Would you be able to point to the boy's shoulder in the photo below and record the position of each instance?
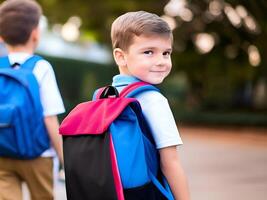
(21, 57)
(42, 66)
(151, 96)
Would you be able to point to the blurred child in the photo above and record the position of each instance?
(20, 32)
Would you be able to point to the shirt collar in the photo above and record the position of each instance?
(123, 80)
(18, 57)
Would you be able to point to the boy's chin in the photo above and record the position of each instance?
(154, 82)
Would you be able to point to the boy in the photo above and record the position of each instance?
(142, 46)
(19, 30)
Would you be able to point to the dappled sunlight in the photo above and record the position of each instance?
(232, 15)
(70, 30)
(254, 55)
(204, 42)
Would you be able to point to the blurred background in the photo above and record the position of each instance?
(217, 88)
(219, 71)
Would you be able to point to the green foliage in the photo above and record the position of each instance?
(78, 80)
(97, 15)
(212, 82)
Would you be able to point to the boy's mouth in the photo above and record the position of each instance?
(158, 71)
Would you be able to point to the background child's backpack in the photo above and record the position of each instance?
(22, 131)
(109, 152)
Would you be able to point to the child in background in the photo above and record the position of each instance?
(20, 32)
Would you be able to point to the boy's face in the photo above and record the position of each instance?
(148, 58)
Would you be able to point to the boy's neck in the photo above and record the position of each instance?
(20, 48)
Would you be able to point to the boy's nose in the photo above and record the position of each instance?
(161, 61)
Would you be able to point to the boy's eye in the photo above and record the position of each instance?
(167, 53)
(148, 52)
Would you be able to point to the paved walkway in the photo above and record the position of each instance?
(225, 163)
(221, 163)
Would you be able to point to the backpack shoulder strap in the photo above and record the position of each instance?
(98, 93)
(31, 62)
(4, 62)
(136, 88)
(129, 91)
(28, 64)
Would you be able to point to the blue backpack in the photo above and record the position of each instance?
(109, 152)
(22, 130)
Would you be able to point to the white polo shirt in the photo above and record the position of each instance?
(157, 112)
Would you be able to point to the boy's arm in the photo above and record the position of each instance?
(52, 126)
(174, 173)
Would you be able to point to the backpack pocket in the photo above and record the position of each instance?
(88, 167)
(8, 139)
(129, 147)
(17, 138)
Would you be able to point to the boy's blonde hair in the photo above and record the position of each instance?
(131, 24)
(18, 18)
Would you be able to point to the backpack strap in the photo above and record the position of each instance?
(131, 91)
(28, 64)
(4, 62)
(135, 88)
(30, 81)
(31, 62)
(163, 188)
(105, 92)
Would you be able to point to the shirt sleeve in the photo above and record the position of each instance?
(160, 119)
(49, 93)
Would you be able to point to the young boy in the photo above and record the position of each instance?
(19, 30)
(142, 46)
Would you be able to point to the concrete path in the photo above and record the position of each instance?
(221, 163)
(225, 163)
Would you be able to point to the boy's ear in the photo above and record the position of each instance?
(35, 35)
(119, 57)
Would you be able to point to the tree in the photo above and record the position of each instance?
(217, 72)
